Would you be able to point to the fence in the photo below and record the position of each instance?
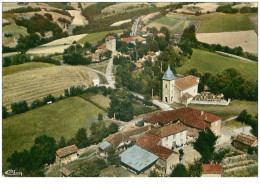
(203, 102)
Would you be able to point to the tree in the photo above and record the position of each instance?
(181, 154)
(20, 107)
(4, 112)
(113, 158)
(205, 144)
(48, 99)
(195, 169)
(166, 32)
(43, 151)
(180, 171)
(36, 103)
(121, 106)
(62, 142)
(153, 173)
(81, 138)
(100, 116)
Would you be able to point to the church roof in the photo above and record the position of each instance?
(168, 75)
(186, 82)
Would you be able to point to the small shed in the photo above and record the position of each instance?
(67, 154)
(244, 142)
(65, 172)
(104, 145)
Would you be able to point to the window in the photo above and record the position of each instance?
(173, 136)
(166, 139)
(166, 86)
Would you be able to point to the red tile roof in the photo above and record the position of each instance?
(67, 150)
(187, 96)
(110, 37)
(189, 116)
(150, 142)
(124, 136)
(103, 46)
(211, 169)
(169, 129)
(128, 39)
(246, 139)
(186, 82)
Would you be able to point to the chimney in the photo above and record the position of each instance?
(201, 112)
(206, 118)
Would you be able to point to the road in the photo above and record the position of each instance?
(135, 25)
(109, 73)
(235, 56)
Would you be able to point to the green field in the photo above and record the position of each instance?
(95, 37)
(168, 20)
(233, 109)
(215, 63)
(24, 67)
(226, 23)
(62, 118)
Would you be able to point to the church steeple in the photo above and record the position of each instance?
(168, 75)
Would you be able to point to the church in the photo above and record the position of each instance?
(179, 90)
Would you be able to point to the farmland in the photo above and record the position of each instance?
(62, 118)
(35, 84)
(245, 39)
(95, 37)
(24, 67)
(119, 7)
(233, 109)
(214, 63)
(225, 23)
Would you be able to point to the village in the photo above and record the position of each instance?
(142, 100)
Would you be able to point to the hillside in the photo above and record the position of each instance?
(214, 63)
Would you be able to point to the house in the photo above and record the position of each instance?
(166, 157)
(179, 90)
(140, 39)
(172, 136)
(195, 119)
(104, 146)
(161, 35)
(67, 154)
(110, 44)
(128, 40)
(244, 142)
(65, 172)
(211, 170)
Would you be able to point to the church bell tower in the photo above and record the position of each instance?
(168, 86)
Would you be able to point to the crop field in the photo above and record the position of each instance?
(119, 7)
(215, 63)
(101, 100)
(219, 22)
(57, 46)
(24, 67)
(233, 109)
(62, 118)
(35, 84)
(245, 39)
(95, 37)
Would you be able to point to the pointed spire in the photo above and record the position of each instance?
(168, 75)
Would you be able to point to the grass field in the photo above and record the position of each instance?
(95, 37)
(214, 63)
(101, 100)
(62, 118)
(168, 20)
(233, 109)
(24, 67)
(218, 22)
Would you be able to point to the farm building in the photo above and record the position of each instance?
(137, 159)
(211, 170)
(193, 118)
(180, 90)
(67, 154)
(244, 142)
(128, 40)
(65, 172)
(104, 146)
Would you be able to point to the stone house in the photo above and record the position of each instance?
(167, 158)
(179, 90)
(244, 142)
(195, 119)
(67, 154)
(211, 170)
(128, 40)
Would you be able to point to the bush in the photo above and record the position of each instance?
(4, 112)
(20, 107)
(46, 59)
(48, 99)
(36, 103)
(25, 10)
(180, 171)
(49, 16)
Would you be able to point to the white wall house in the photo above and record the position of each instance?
(175, 140)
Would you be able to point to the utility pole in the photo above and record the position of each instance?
(161, 66)
(152, 94)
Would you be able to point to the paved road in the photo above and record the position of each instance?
(109, 74)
